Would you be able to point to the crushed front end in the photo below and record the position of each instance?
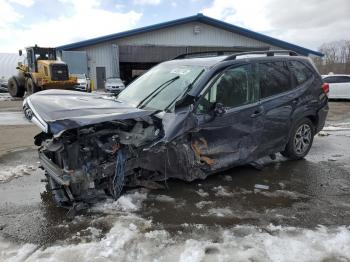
(87, 164)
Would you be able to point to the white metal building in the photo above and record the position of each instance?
(8, 63)
(126, 54)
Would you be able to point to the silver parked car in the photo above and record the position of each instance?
(83, 83)
(3, 84)
(114, 85)
(339, 86)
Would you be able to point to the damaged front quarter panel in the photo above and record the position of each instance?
(87, 164)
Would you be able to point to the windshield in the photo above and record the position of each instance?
(113, 80)
(80, 76)
(161, 86)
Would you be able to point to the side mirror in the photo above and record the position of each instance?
(219, 109)
(20, 52)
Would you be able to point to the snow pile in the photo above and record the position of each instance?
(335, 128)
(222, 191)
(283, 194)
(164, 198)
(203, 204)
(130, 241)
(220, 212)
(9, 173)
(128, 202)
(202, 193)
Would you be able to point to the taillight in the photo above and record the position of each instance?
(325, 88)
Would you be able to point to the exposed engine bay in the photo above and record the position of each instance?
(88, 164)
(92, 159)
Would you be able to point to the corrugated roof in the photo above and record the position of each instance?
(8, 63)
(196, 18)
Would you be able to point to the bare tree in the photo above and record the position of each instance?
(336, 57)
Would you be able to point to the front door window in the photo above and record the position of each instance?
(233, 88)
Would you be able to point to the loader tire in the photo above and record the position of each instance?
(32, 87)
(14, 88)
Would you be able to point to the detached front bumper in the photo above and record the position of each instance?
(54, 171)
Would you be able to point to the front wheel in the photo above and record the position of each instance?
(14, 88)
(32, 87)
(301, 139)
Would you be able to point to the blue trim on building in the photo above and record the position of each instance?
(196, 18)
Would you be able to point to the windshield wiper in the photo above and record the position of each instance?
(155, 93)
(189, 87)
(177, 97)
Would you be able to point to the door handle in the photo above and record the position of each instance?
(257, 112)
(295, 101)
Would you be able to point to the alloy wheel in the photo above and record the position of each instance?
(302, 139)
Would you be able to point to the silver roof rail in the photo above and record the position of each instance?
(267, 53)
(203, 54)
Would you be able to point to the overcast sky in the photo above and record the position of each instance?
(308, 23)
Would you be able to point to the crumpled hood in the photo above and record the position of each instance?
(55, 111)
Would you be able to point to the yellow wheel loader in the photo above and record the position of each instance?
(41, 70)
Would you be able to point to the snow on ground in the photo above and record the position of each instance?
(283, 194)
(202, 193)
(336, 128)
(129, 202)
(131, 240)
(164, 198)
(9, 173)
(222, 191)
(7, 97)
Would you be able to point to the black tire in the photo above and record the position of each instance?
(14, 88)
(300, 140)
(31, 87)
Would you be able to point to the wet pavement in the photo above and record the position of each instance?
(13, 118)
(302, 214)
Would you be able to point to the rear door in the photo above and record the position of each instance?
(232, 137)
(278, 100)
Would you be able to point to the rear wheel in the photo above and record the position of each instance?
(32, 87)
(301, 139)
(14, 88)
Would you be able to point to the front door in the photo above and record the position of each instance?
(231, 135)
(100, 77)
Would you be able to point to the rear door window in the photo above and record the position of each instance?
(274, 78)
(300, 72)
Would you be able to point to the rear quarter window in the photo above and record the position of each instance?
(300, 72)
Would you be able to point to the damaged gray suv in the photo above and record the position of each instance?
(185, 119)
